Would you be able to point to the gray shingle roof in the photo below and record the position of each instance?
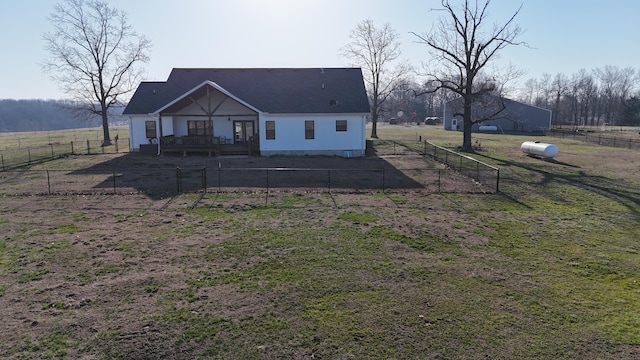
(284, 91)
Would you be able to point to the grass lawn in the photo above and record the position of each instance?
(547, 269)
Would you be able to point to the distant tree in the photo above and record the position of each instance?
(615, 86)
(375, 50)
(95, 55)
(631, 111)
(463, 47)
(560, 86)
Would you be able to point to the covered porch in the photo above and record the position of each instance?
(208, 119)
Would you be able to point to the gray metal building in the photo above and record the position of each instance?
(515, 116)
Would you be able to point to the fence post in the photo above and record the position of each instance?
(116, 146)
(72, 152)
(204, 179)
(178, 180)
(88, 148)
(51, 150)
(497, 181)
(48, 183)
(2, 156)
(267, 181)
(219, 175)
(425, 148)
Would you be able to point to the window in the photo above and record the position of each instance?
(198, 128)
(270, 129)
(309, 132)
(150, 127)
(341, 125)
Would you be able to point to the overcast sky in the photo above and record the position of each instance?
(564, 35)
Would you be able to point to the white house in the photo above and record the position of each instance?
(307, 111)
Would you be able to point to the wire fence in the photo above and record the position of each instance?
(167, 182)
(627, 142)
(12, 159)
(484, 174)
(457, 173)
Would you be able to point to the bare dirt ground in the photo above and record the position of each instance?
(93, 276)
(160, 177)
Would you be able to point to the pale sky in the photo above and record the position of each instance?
(564, 35)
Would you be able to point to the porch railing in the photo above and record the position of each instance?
(217, 144)
(189, 141)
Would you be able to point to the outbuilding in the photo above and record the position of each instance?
(502, 114)
(262, 111)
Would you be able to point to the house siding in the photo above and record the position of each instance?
(290, 135)
(137, 129)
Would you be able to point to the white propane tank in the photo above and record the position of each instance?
(540, 149)
(488, 128)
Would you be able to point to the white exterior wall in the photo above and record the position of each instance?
(290, 135)
(138, 133)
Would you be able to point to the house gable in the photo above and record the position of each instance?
(202, 91)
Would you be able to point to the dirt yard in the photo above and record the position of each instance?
(161, 177)
(220, 275)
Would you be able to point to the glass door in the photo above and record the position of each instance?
(243, 131)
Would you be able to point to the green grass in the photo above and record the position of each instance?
(547, 269)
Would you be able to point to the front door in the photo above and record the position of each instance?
(243, 131)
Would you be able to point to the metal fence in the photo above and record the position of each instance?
(168, 182)
(459, 173)
(11, 159)
(598, 138)
(484, 174)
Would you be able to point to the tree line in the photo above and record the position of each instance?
(608, 95)
(462, 46)
(43, 115)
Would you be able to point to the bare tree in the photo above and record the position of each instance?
(560, 86)
(375, 50)
(95, 55)
(463, 46)
(615, 86)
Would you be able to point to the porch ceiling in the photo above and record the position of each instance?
(198, 96)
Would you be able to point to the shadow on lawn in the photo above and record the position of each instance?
(546, 173)
(159, 177)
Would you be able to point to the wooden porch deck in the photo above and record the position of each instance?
(214, 146)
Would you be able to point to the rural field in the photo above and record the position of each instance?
(549, 268)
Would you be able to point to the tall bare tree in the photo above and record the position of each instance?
(375, 50)
(615, 86)
(462, 47)
(95, 55)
